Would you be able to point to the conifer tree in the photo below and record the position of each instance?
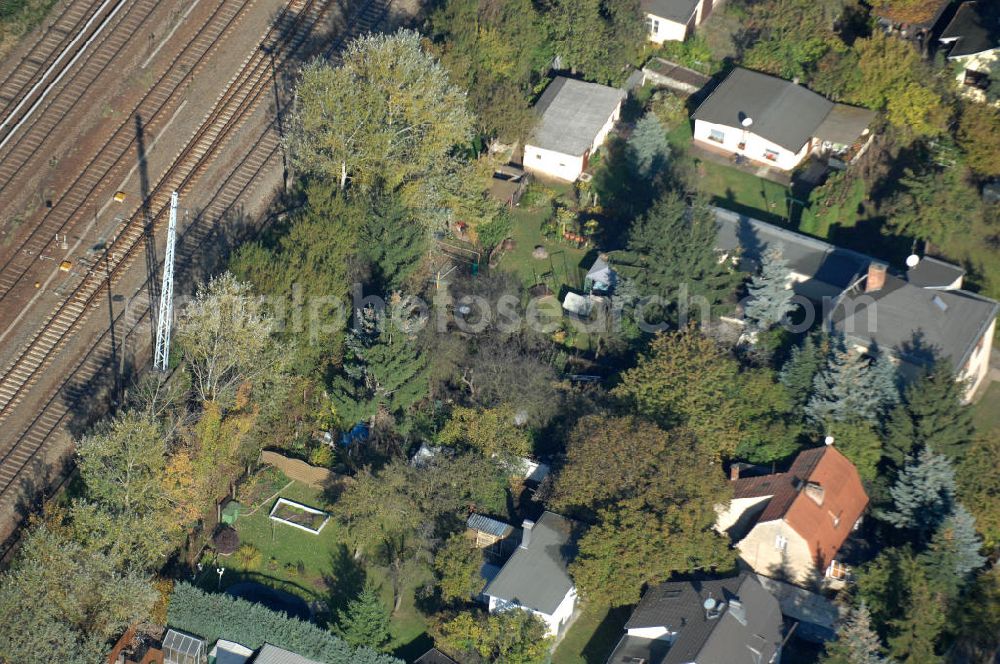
(851, 386)
(393, 241)
(805, 361)
(365, 620)
(856, 642)
(931, 413)
(923, 495)
(953, 553)
(649, 145)
(383, 370)
(771, 299)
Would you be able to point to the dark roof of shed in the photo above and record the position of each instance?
(808, 256)
(572, 113)
(916, 324)
(535, 577)
(974, 29)
(678, 606)
(434, 656)
(933, 273)
(675, 10)
(783, 112)
(921, 14)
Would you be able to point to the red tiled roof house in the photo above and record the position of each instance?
(794, 523)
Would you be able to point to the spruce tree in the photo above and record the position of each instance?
(771, 298)
(805, 361)
(365, 620)
(649, 145)
(953, 553)
(393, 242)
(383, 369)
(851, 386)
(931, 413)
(923, 495)
(856, 642)
(671, 251)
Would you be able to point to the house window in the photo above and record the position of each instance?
(538, 156)
(717, 136)
(652, 25)
(780, 542)
(770, 155)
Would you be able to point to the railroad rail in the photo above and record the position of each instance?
(111, 158)
(29, 444)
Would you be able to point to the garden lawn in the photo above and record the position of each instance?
(593, 636)
(742, 192)
(834, 217)
(563, 267)
(986, 412)
(291, 548)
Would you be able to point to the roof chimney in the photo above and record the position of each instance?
(876, 277)
(734, 472)
(526, 533)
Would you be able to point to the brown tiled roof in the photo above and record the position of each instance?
(824, 526)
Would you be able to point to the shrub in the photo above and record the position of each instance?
(248, 556)
(226, 541)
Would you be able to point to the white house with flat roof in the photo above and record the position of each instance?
(674, 20)
(575, 118)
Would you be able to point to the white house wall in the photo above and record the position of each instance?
(755, 147)
(553, 164)
(667, 30)
(606, 129)
(978, 366)
(759, 551)
(729, 514)
(650, 633)
(554, 621)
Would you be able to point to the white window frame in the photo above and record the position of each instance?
(771, 155)
(780, 542)
(717, 135)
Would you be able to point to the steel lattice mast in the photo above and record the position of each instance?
(161, 355)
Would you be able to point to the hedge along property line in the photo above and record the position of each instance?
(289, 507)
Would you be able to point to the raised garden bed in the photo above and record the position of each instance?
(299, 516)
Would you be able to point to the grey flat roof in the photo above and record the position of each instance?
(680, 11)
(535, 577)
(916, 324)
(822, 261)
(572, 113)
(844, 124)
(782, 112)
(974, 29)
(933, 273)
(274, 655)
(679, 606)
(635, 648)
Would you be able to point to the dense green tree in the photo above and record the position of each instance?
(499, 52)
(383, 370)
(931, 413)
(791, 36)
(671, 255)
(649, 145)
(979, 485)
(392, 241)
(63, 602)
(598, 38)
(610, 458)
(225, 334)
(923, 495)
(798, 374)
(512, 637)
(933, 204)
(215, 616)
(687, 379)
(976, 620)
(386, 119)
(491, 432)
(457, 564)
(770, 297)
(856, 642)
(365, 620)
(852, 386)
(979, 138)
(893, 77)
(860, 443)
(954, 552)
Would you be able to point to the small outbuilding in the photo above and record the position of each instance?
(574, 119)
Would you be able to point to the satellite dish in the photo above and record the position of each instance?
(709, 604)
(912, 260)
(828, 440)
(746, 122)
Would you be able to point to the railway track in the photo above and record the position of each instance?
(241, 98)
(50, 45)
(109, 162)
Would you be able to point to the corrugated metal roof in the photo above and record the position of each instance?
(273, 655)
(485, 524)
